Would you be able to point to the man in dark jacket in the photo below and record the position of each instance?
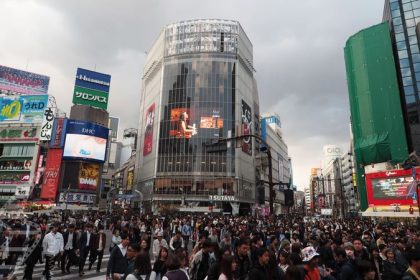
(85, 243)
(260, 270)
(413, 271)
(242, 258)
(97, 250)
(117, 264)
(70, 246)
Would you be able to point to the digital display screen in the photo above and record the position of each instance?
(84, 147)
(393, 188)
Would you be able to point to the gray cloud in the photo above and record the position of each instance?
(298, 54)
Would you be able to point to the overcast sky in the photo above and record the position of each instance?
(298, 55)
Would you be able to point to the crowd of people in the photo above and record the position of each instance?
(212, 247)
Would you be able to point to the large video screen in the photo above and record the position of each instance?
(85, 140)
(392, 187)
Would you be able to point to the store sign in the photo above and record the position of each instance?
(57, 137)
(91, 88)
(12, 178)
(51, 174)
(47, 123)
(23, 109)
(18, 134)
(14, 81)
(38, 170)
(222, 198)
(84, 198)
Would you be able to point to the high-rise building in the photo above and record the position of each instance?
(198, 85)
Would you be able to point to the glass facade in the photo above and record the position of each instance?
(198, 87)
(404, 17)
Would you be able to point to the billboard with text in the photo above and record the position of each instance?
(23, 108)
(14, 81)
(91, 88)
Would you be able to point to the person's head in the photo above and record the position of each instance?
(310, 257)
(178, 235)
(413, 259)
(163, 253)
(374, 252)
(142, 263)
(207, 246)
(54, 227)
(173, 262)
(132, 251)
(160, 236)
(116, 232)
(263, 256)
(124, 239)
(381, 247)
(366, 270)
(358, 245)
(389, 254)
(227, 266)
(285, 245)
(340, 255)
(71, 228)
(257, 241)
(284, 258)
(242, 247)
(184, 116)
(89, 228)
(143, 244)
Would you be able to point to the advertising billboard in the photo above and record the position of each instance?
(180, 127)
(47, 123)
(89, 176)
(24, 109)
(148, 131)
(11, 134)
(51, 174)
(246, 128)
(85, 140)
(130, 178)
(113, 124)
(84, 198)
(211, 120)
(14, 178)
(392, 187)
(57, 136)
(91, 88)
(14, 81)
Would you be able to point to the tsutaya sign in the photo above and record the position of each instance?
(222, 198)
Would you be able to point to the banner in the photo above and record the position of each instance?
(148, 132)
(18, 134)
(246, 128)
(57, 137)
(23, 109)
(14, 81)
(14, 178)
(51, 174)
(130, 178)
(84, 198)
(47, 123)
(91, 88)
(89, 176)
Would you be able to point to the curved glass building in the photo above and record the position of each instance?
(198, 86)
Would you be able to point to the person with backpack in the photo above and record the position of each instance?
(142, 267)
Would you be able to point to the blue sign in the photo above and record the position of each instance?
(86, 128)
(23, 108)
(93, 80)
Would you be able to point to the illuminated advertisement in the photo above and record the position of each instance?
(148, 132)
(57, 137)
(51, 174)
(91, 88)
(85, 140)
(180, 127)
(213, 121)
(391, 187)
(89, 176)
(25, 109)
(13, 178)
(246, 128)
(130, 178)
(14, 81)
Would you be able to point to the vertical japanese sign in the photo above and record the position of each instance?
(148, 132)
(51, 174)
(57, 137)
(246, 128)
(47, 123)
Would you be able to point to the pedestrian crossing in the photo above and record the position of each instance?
(56, 271)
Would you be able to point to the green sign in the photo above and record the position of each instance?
(90, 97)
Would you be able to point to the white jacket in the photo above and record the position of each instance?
(53, 244)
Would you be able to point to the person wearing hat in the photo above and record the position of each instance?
(310, 269)
(158, 243)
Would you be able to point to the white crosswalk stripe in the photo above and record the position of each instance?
(56, 271)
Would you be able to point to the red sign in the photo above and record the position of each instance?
(38, 171)
(392, 187)
(148, 132)
(51, 174)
